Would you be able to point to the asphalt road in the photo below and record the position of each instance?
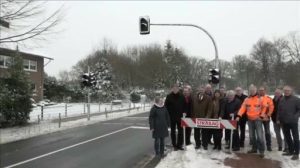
(120, 143)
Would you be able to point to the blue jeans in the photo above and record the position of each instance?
(256, 134)
(266, 125)
(159, 146)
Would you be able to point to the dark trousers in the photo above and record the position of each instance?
(288, 129)
(159, 146)
(277, 130)
(197, 136)
(206, 136)
(227, 135)
(188, 131)
(177, 139)
(236, 139)
(266, 125)
(217, 136)
(242, 128)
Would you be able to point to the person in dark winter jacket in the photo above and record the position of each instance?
(174, 104)
(277, 127)
(202, 106)
(231, 108)
(288, 116)
(187, 109)
(217, 103)
(159, 122)
(243, 121)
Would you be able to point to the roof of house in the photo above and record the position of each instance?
(10, 51)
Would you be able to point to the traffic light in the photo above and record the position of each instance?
(85, 79)
(88, 80)
(144, 25)
(214, 76)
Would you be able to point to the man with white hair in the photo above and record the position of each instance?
(229, 110)
(288, 115)
(256, 111)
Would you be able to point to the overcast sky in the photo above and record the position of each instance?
(235, 25)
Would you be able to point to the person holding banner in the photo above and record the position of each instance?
(187, 109)
(230, 109)
(243, 121)
(174, 104)
(159, 122)
(202, 105)
(256, 112)
(217, 102)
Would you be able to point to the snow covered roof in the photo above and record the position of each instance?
(7, 50)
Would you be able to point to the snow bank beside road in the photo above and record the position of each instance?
(45, 127)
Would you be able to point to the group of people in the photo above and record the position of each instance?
(257, 109)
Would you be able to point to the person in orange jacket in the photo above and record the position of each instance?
(269, 110)
(255, 110)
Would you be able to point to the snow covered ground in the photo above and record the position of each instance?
(211, 159)
(75, 109)
(194, 159)
(47, 126)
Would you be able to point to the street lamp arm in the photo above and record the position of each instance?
(201, 28)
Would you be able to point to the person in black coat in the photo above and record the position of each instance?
(243, 121)
(277, 127)
(159, 122)
(231, 107)
(288, 115)
(187, 109)
(174, 104)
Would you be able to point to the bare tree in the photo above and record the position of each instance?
(293, 46)
(28, 20)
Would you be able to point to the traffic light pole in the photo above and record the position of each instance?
(89, 99)
(205, 31)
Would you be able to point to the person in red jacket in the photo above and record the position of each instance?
(255, 109)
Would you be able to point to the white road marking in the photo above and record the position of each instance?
(139, 127)
(65, 148)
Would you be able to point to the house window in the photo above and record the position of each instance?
(29, 65)
(26, 64)
(33, 65)
(5, 61)
(1, 61)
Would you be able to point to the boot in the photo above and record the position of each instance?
(295, 157)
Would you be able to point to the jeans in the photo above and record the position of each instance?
(288, 129)
(277, 130)
(266, 125)
(197, 136)
(159, 146)
(176, 142)
(256, 135)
